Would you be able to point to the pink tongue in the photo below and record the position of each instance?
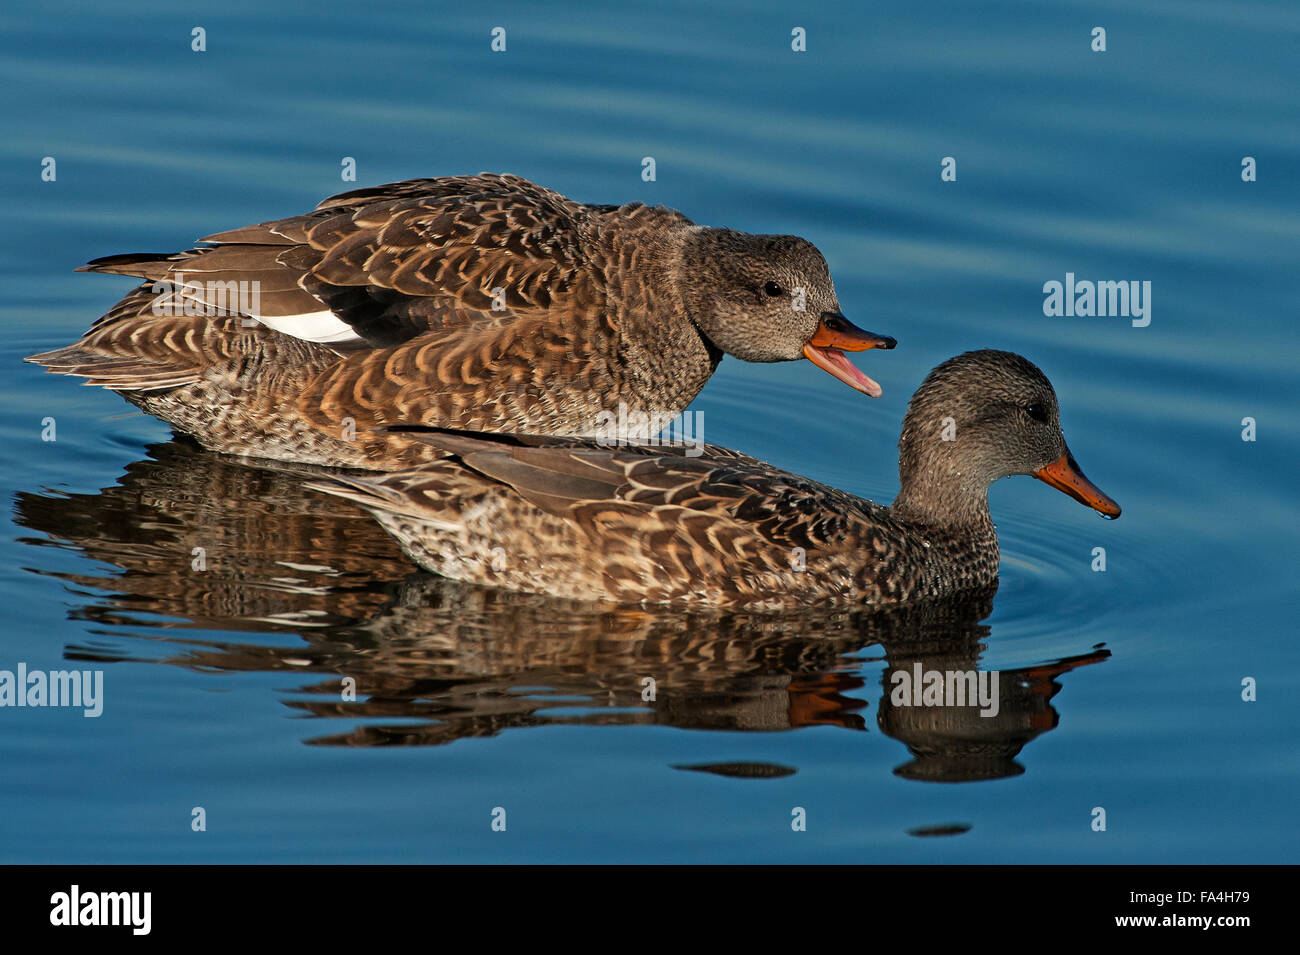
(851, 374)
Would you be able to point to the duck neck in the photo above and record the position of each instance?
(666, 361)
(935, 495)
(961, 543)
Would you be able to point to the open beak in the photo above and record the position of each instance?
(834, 336)
(1064, 475)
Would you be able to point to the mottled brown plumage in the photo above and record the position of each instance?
(656, 525)
(436, 660)
(480, 302)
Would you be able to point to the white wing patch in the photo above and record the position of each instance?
(323, 327)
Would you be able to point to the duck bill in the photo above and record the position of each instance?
(834, 336)
(1065, 475)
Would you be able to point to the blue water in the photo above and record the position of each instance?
(222, 687)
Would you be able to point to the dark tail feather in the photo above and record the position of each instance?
(369, 493)
(113, 372)
(145, 265)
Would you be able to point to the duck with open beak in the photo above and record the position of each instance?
(834, 336)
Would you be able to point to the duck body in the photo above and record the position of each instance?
(656, 525)
(483, 302)
(568, 517)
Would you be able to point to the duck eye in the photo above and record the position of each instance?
(772, 289)
(1037, 412)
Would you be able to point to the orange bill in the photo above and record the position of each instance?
(1065, 475)
(834, 336)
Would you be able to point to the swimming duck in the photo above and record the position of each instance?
(482, 302)
(656, 525)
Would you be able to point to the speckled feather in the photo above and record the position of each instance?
(571, 518)
(652, 525)
(592, 312)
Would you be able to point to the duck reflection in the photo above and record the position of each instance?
(200, 542)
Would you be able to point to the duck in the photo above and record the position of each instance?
(706, 525)
(482, 303)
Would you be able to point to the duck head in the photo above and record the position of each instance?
(770, 298)
(982, 416)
